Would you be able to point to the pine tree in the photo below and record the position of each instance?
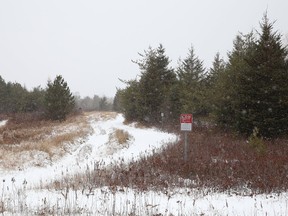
(191, 75)
(129, 101)
(16, 96)
(218, 67)
(59, 101)
(227, 107)
(35, 100)
(263, 89)
(155, 84)
(3, 96)
(212, 96)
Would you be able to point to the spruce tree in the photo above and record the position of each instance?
(3, 96)
(191, 75)
(129, 101)
(227, 86)
(155, 84)
(212, 96)
(263, 89)
(59, 101)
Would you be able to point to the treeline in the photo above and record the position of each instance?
(54, 102)
(15, 98)
(247, 92)
(96, 103)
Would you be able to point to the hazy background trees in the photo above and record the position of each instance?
(95, 103)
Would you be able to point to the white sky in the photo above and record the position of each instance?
(91, 43)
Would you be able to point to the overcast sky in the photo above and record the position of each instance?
(91, 43)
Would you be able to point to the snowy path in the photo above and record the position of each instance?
(94, 149)
(20, 194)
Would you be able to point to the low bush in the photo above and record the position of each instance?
(217, 160)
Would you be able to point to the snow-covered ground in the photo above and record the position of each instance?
(23, 192)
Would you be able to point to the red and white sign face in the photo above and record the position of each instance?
(186, 118)
(186, 122)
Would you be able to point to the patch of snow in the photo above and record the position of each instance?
(3, 123)
(22, 194)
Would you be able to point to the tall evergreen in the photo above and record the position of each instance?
(191, 75)
(227, 98)
(155, 83)
(59, 101)
(253, 88)
(212, 95)
(263, 89)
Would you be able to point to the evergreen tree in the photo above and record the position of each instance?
(35, 100)
(129, 101)
(116, 102)
(59, 101)
(155, 85)
(227, 87)
(218, 67)
(191, 75)
(263, 89)
(3, 96)
(15, 98)
(212, 96)
(253, 88)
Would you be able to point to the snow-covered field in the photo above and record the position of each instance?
(23, 192)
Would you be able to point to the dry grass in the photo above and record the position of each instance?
(120, 136)
(24, 136)
(217, 160)
(221, 161)
(102, 115)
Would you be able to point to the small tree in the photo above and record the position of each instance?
(59, 101)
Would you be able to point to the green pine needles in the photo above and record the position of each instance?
(59, 101)
(247, 91)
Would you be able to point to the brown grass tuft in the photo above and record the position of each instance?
(30, 134)
(121, 136)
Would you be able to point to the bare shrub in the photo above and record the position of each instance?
(218, 160)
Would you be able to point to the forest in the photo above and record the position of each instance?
(247, 94)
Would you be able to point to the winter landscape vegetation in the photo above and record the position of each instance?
(66, 155)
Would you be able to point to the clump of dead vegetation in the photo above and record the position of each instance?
(27, 135)
(120, 136)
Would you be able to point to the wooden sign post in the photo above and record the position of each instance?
(186, 121)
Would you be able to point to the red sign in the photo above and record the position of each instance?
(186, 118)
(186, 122)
